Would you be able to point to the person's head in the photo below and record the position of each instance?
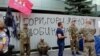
(88, 22)
(60, 24)
(73, 22)
(41, 40)
(2, 25)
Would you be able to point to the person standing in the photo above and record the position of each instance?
(60, 38)
(73, 33)
(88, 32)
(24, 41)
(3, 40)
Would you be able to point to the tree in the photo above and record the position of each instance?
(78, 7)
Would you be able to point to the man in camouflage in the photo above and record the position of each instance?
(42, 47)
(88, 32)
(24, 41)
(73, 33)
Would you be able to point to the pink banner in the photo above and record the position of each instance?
(23, 6)
(29, 4)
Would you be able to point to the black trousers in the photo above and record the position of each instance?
(27, 51)
(3, 54)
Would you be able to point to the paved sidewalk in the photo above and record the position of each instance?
(67, 52)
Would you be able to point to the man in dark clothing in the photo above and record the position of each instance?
(60, 38)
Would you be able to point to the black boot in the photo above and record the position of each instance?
(78, 53)
(73, 53)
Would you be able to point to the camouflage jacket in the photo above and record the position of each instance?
(24, 38)
(88, 33)
(73, 32)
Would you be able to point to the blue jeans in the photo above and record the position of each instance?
(61, 45)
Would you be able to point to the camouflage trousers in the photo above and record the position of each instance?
(24, 49)
(89, 49)
(74, 45)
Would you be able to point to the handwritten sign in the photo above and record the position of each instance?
(45, 25)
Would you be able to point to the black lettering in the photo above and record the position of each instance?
(36, 20)
(41, 29)
(31, 22)
(52, 20)
(30, 32)
(63, 20)
(35, 31)
(44, 23)
(58, 19)
(41, 20)
(48, 20)
(53, 30)
(47, 31)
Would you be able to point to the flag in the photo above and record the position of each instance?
(29, 4)
(23, 6)
(10, 22)
(9, 18)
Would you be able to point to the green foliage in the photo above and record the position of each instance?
(78, 7)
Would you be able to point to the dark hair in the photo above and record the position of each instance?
(59, 23)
